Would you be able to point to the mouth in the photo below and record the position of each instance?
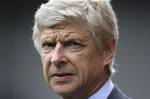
(62, 74)
(62, 77)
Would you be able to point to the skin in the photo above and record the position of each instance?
(72, 64)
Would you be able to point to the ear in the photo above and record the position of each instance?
(109, 52)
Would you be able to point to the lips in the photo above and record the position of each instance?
(62, 74)
(61, 77)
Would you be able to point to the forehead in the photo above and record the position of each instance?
(65, 30)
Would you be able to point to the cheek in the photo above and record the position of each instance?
(46, 63)
(81, 62)
(88, 65)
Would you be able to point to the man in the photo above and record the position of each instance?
(76, 40)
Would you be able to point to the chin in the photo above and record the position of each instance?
(63, 90)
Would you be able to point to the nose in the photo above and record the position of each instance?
(58, 56)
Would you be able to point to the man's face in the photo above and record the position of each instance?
(71, 61)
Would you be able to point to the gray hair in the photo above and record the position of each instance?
(98, 16)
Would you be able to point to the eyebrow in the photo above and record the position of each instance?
(46, 39)
(45, 36)
(73, 39)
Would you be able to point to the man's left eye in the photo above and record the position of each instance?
(73, 45)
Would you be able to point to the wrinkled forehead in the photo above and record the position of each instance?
(65, 31)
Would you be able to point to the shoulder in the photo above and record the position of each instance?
(117, 94)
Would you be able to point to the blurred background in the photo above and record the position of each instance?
(20, 65)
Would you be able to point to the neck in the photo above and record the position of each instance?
(99, 83)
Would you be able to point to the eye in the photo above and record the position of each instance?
(72, 44)
(48, 46)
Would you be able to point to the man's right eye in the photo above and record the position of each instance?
(48, 46)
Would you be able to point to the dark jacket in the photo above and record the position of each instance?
(117, 94)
